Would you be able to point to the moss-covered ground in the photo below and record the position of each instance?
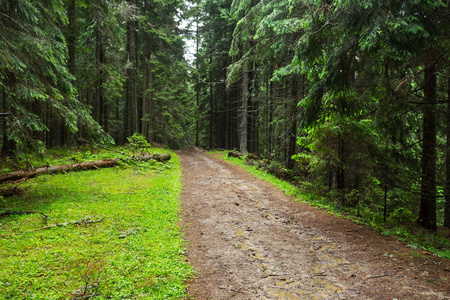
(134, 252)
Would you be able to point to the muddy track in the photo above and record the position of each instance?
(247, 240)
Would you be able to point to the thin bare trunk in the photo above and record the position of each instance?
(131, 116)
(211, 103)
(244, 114)
(146, 70)
(293, 128)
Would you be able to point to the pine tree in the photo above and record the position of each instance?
(34, 77)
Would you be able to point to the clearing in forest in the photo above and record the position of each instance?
(247, 240)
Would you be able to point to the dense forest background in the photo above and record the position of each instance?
(352, 97)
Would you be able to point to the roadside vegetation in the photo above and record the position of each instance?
(401, 226)
(109, 233)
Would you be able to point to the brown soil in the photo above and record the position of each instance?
(247, 240)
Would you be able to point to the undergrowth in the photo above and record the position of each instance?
(411, 234)
(116, 233)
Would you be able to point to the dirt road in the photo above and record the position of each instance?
(247, 240)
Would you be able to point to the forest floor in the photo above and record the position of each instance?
(247, 240)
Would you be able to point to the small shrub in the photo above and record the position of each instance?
(138, 141)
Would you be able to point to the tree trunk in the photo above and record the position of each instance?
(340, 174)
(211, 101)
(447, 163)
(137, 104)
(252, 113)
(130, 86)
(8, 146)
(272, 93)
(244, 114)
(102, 102)
(293, 129)
(197, 84)
(99, 107)
(71, 38)
(427, 213)
(227, 118)
(146, 80)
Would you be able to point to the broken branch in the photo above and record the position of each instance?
(10, 212)
(85, 221)
(378, 276)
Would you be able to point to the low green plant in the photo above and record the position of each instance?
(110, 234)
(137, 141)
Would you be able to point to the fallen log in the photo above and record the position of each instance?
(239, 155)
(235, 154)
(158, 157)
(90, 165)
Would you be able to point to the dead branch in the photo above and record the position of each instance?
(12, 190)
(378, 276)
(128, 233)
(84, 221)
(10, 212)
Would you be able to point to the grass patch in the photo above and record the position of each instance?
(135, 252)
(411, 234)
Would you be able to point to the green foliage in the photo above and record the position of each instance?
(34, 75)
(138, 141)
(49, 48)
(323, 142)
(136, 251)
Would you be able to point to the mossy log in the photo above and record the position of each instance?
(90, 165)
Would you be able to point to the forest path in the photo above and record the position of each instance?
(247, 240)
